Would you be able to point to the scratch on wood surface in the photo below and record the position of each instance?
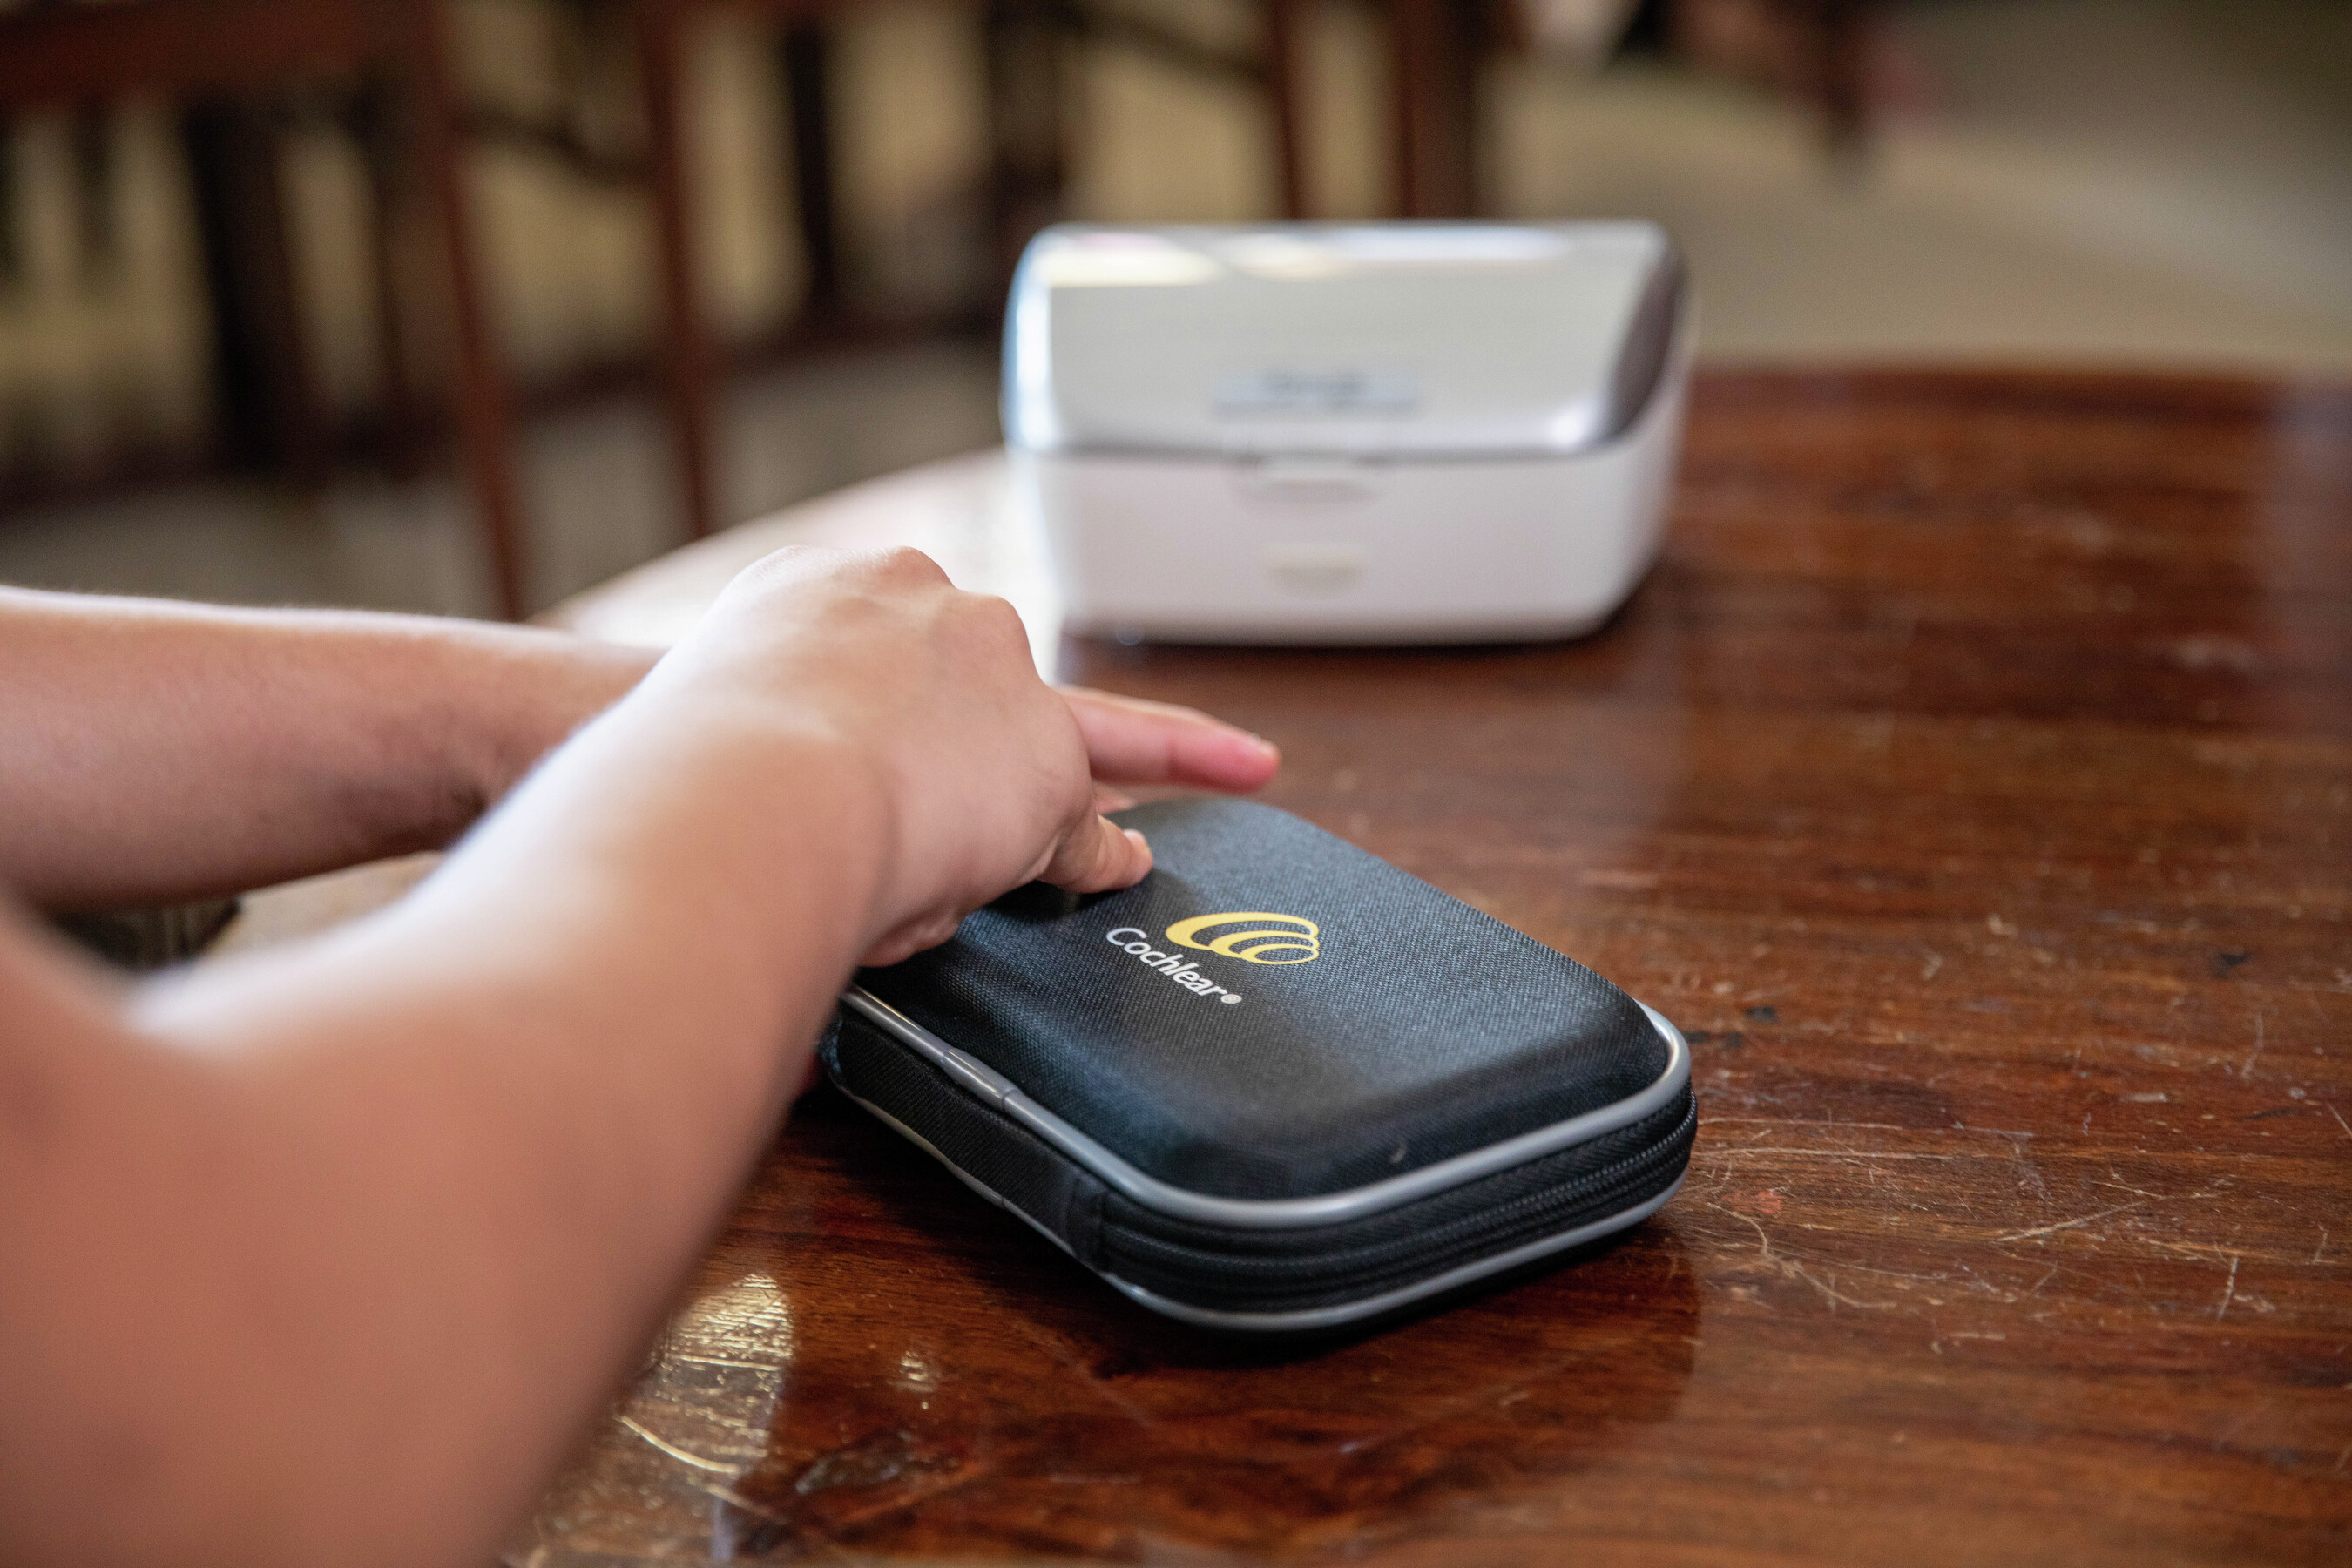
(2239, 1424)
(1762, 1240)
(1806, 1121)
(2322, 1245)
(2123, 1186)
(1904, 1278)
(1834, 1295)
(2339, 1118)
(675, 1452)
(2229, 1290)
(1789, 1268)
(750, 1505)
(2049, 1270)
(1814, 1153)
(2068, 1225)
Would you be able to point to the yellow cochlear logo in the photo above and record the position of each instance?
(1258, 937)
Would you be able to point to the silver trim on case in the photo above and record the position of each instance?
(961, 1174)
(1389, 1300)
(1309, 1317)
(1275, 1214)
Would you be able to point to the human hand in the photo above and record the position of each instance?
(983, 774)
(1132, 741)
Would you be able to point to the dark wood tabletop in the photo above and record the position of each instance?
(1973, 781)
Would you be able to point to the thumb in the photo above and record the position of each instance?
(1095, 855)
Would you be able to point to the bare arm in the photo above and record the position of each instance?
(328, 1255)
(152, 752)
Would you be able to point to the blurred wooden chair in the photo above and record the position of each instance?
(1813, 50)
(66, 53)
(1025, 45)
(1816, 51)
(1437, 54)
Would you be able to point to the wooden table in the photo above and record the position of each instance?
(1973, 779)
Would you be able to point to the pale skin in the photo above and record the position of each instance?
(331, 1253)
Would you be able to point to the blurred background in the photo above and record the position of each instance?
(295, 294)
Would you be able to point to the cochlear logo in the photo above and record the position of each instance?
(1263, 938)
(1256, 938)
(1182, 970)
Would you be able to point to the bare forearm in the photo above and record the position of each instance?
(323, 1255)
(152, 752)
(421, 1188)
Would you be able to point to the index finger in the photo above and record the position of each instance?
(1132, 741)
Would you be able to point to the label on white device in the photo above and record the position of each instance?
(1314, 569)
(1259, 393)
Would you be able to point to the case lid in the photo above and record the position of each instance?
(1274, 1014)
(1424, 340)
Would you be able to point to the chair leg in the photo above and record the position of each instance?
(376, 126)
(1431, 82)
(268, 405)
(686, 358)
(485, 412)
(1283, 88)
(12, 249)
(1028, 162)
(804, 54)
(1840, 33)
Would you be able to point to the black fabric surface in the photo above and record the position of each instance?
(986, 1144)
(1422, 1030)
(1261, 1270)
(1293, 1270)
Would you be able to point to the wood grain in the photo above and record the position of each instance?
(1973, 779)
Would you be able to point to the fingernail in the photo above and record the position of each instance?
(1137, 839)
(1269, 747)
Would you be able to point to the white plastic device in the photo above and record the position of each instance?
(1364, 433)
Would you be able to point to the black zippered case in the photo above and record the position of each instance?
(1278, 1086)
